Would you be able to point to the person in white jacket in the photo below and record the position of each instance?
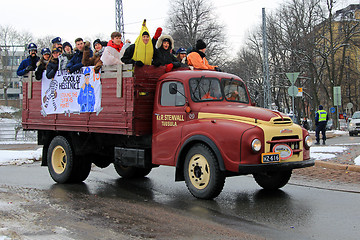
(111, 54)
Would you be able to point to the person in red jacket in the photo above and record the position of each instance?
(197, 57)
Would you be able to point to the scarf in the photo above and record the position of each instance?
(113, 45)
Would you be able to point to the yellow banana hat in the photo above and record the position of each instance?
(143, 52)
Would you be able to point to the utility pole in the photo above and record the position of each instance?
(267, 92)
(119, 18)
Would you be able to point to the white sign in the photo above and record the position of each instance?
(71, 93)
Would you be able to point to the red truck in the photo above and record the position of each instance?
(201, 122)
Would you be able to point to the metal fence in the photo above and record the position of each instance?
(14, 132)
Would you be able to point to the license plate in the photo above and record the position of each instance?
(270, 157)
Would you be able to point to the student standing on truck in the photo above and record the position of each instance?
(95, 59)
(111, 54)
(53, 64)
(197, 57)
(57, 43)
(141, 52)
(75, 62)
(28, 64)
(66, 56)
(41, 65)
(321, 118)
(163, 53)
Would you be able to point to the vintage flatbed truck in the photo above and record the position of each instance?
(201, 122)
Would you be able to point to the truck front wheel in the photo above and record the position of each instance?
(272, 180)
(62, 165)
(131, 172)
(202, 173)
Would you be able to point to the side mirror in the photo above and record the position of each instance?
(173, 88)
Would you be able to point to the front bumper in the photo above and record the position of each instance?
(265, 167)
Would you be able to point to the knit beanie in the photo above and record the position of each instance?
(200, 44)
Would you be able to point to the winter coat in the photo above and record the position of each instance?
(198, 61)
(129, 53)
(75, 62)
(163, 57)
(23, 68)
(52, 68)
(41, 67)
(94, 60)
(112, 55)
(64, 60)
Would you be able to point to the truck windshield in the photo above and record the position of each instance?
(205, 89)
(234, 90)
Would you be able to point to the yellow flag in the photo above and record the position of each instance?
(143, 52)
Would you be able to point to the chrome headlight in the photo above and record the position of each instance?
(308, 142)
(256, 145)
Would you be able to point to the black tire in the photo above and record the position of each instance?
(202, 173)
(63, 167)
(131, 172)
(272, 180)
(83, 168)
(351, 134)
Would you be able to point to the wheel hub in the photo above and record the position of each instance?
(199, 171)
(59, 159)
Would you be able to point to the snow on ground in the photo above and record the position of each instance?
(357, 160)
(8, 109)
(11, 157)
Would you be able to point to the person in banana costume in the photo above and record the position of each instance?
(141, 52)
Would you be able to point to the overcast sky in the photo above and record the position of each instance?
(70, 19)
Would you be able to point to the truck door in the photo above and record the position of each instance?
(169, 117)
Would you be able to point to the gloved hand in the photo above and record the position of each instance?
(218, 69)
(157, 33)
(169, 67)
(87, 45)
(29, 68)
(139, 63)
(176, 64)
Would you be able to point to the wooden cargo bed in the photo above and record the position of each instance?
(127, 104)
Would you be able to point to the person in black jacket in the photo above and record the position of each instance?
(29, 64)
(128, 57)
(75, 62)
(163, 55)
(41, 65)
(53, 64)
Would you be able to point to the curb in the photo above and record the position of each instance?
(337, 166)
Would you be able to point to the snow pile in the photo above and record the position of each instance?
(357, 160)
(320, 153)
(7, 109)
(9, 157)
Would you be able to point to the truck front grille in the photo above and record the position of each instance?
(292, 141)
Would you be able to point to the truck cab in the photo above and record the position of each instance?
(206, 118)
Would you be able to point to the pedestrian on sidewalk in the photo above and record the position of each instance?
(321, 118)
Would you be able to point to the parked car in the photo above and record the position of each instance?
(354, 124)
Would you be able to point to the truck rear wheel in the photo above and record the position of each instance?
(202, 173)
(131, 172)
(272, 180)
(63, 167)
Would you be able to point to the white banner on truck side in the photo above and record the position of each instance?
(71, 93)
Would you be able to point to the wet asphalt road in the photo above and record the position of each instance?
(298, 211)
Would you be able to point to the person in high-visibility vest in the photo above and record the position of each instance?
(321, 118)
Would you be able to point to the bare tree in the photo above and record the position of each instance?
(190, 20)
(10, 42)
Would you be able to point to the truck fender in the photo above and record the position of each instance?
(179, 176)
